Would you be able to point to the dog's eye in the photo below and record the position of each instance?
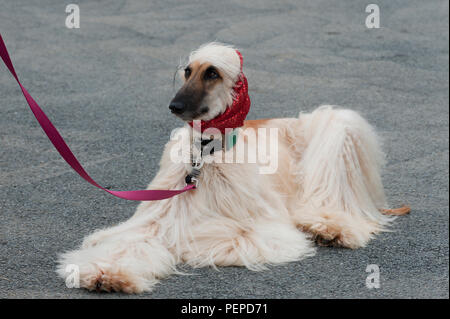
(187, 72)
(211, 74)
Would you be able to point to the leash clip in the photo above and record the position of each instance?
(197, 162)
(191, 179)
(194, 181)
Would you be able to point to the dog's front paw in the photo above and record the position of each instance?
(90, 269)
(119, 279)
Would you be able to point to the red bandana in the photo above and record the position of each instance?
(234, 115)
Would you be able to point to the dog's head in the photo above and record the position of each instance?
(209, 77)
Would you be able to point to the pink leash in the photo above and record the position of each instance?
(66, 153)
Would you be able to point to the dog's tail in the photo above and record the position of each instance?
(340, 164)
(404, 210)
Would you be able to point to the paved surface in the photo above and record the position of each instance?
(106, 86)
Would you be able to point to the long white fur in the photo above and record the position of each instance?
(328, 184)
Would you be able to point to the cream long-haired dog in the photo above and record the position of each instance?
(326, 188)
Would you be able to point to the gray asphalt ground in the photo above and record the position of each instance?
(107, 85)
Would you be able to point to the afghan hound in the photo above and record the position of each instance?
(320, 182)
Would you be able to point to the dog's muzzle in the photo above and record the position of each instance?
(177, 107)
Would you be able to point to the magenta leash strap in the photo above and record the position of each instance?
(66, 153)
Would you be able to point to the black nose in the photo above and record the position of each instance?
(177, 107)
